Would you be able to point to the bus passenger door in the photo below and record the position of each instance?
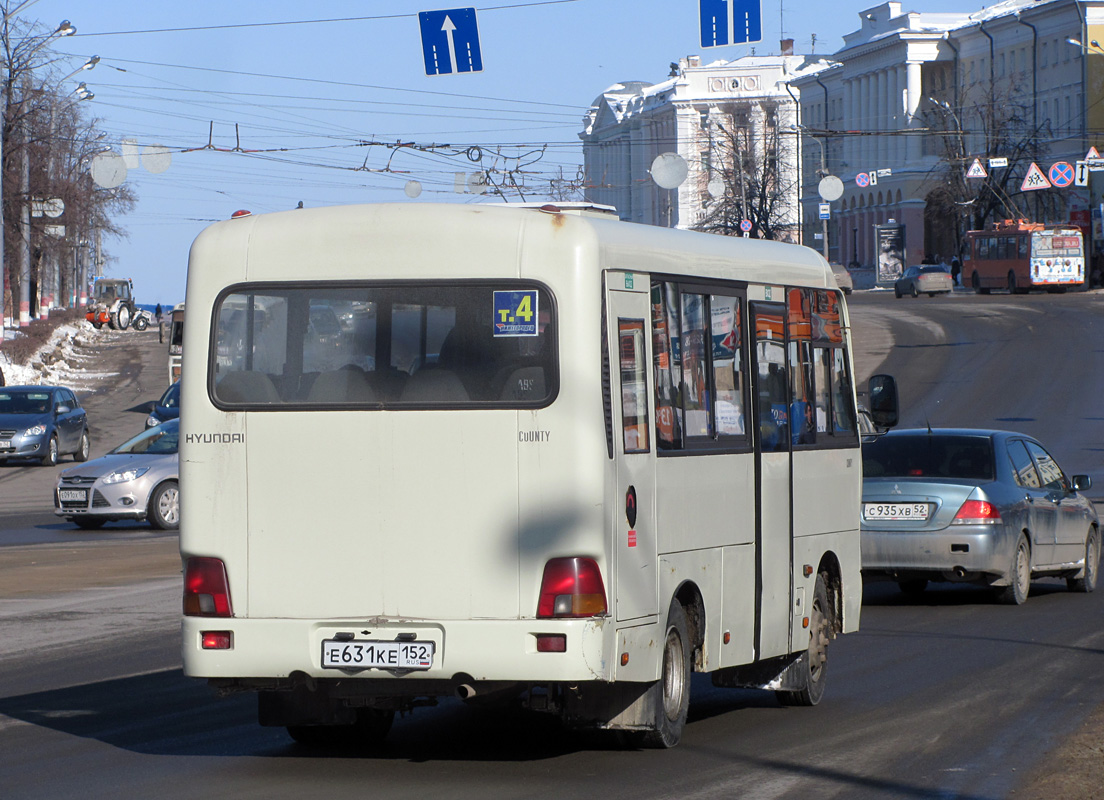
(635, 556)
(773, 538)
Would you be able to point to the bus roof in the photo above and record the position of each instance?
(332, 233)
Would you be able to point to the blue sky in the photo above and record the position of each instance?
(308, 96)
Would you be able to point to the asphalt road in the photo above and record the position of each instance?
(945, 695)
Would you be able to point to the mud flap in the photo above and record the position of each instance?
(612, 706)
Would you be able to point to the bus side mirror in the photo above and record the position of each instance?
(882, 394)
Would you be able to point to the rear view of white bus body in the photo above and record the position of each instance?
(484, 451)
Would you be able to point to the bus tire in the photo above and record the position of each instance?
(813, 663)
(672, 690)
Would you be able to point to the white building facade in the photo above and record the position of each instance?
(630, 124)
(912, 96)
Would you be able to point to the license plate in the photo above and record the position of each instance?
(72, 495)
(6, 446)
(365, 654)
(895, 511)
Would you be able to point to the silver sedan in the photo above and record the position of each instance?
(138, 480)
(981, 506)
(929, 279)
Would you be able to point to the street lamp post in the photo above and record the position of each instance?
(821, 174)
(64, 29)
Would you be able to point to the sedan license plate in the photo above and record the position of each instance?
(73, 495)
(895, 511)
(364, 654)
(5, 445)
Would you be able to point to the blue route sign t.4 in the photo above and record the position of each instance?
(725, 22)
(450, 41)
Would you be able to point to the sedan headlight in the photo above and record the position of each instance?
(124, 475)
(37, 430)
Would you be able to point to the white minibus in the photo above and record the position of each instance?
(536, 455)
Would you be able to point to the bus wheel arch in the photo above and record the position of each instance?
(689, 596)
(829, 570)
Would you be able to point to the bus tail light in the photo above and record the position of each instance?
(977, 512)
(206, 589)
(572, 587)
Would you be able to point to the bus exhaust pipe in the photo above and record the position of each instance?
(465, 691)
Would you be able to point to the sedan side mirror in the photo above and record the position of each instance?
(62, 409)
(1082, 483)
(882, 394)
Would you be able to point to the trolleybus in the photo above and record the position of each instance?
(1018, 255)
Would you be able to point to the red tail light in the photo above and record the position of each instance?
(572, 587)
(206, 589)
(977, 512)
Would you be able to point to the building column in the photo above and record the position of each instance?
(912, 107)
(848, 121)
(893, 98)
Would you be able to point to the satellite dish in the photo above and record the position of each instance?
(156, 159)
(830, 188)
(716, 188)
(413, 189)
(669, 170)
(108, 170)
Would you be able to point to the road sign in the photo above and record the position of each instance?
(1034, 179)
(725, 22)
(999, 161)
(976, 170)
(862, 180)
(745, 225)
(1082, 177)
(1094, 164)
(1093, 153)
(450, 41)
(1060, 174)
(883, 173)
(873, 175)
(825, 210)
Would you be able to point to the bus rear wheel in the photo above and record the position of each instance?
(813, 663)
(672, 691)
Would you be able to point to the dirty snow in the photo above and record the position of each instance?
(64, 360)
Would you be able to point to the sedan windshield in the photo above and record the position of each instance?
(24, 402)
(929, 456)
(161, 440)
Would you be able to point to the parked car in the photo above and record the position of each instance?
(166, 408)
(138, 480)
(982, 506)
(929, 279)
(843, 278)
(43, 423)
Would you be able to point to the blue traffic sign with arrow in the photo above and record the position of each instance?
(725, 22)
(450, 41)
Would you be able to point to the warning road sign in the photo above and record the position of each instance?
(976, 170)
(1061, 174)
(1034, 179)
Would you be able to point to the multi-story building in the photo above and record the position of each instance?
(742, 111)
(913, 98)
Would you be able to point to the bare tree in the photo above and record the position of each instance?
(994, 120)
(751, 172)
(47, 143)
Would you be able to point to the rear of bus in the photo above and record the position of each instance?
(394, 469)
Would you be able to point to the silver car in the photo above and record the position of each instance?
(929, 279)
(982, 506)
(138, 480)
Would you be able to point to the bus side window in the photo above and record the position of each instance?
(634, 385)
(1025, 245)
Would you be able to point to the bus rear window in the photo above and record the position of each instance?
(427, 345)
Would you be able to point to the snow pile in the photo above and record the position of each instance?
(67, 359)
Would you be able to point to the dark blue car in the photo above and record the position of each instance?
(168, 407)
(43, 423)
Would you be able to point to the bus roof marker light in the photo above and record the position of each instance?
(241, 212)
